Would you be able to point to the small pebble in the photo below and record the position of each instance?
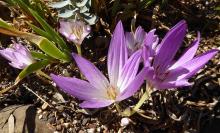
(74, 122)
(125, 121)
(66, 125)
(44, 106)
(58, 128)
(81, 131)
(39, 111)
(91, 130)
(40, 116)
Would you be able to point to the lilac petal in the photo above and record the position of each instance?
(133, 86)
(8, 53)
(65, 28)
(188, 54)
(169, 46)
(174, 84)
(95, 103)
(150, 38)
(20, 58)
(145, 56)
(139, 34)
(197, 63)
(129, 71)
(130, 41)
(191, 67)
(150, 74)
(91, 72)
(117, 54)
(17, 65)
(78, 88)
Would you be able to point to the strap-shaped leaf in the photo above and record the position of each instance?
(49, 48)
(30, 69)
(40, 31)
(38, 55)
(57, 38)
(44, 44)
(5, 25)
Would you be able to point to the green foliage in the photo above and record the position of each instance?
(31, 68)
(43, 43)
(36, 5)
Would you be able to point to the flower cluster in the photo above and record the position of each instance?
(126, 52)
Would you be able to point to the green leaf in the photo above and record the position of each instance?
(40, 31)
(56, 37)
(38, 55)
(49, 48)
(44, 44)
(30, 69)
(5, 25)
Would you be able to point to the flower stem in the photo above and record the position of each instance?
(118, 108)
(79, 51)
(144, 97)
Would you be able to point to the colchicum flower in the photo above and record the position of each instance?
(136, 41)
(74, 30)
(163, 71)
(99, 91)
(19, 56)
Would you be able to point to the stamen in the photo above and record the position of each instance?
(77, 31)
(112, 93)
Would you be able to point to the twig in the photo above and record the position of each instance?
(37, 95)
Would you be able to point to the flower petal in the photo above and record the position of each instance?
(78, 88)
(129, 71)
(117, 54)
(174, 84)
(191, 67)
(8, 53)
(167, 49)
(188, 54)
(146, 56)
(139, 34)
(96, 103)
(91, 72)
(197, 63)
(130, 42)
(150, 38)
(134, 86)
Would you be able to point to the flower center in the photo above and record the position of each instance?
(77, 31)
(112, 93)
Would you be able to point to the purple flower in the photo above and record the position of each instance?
(19, 56)
(163, 71)
(99, 91)
(136, 41)
(74, 30)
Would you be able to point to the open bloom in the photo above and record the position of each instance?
(136, 41)
(19, 56)
(99, 91)
(163, 71)
(74, 30)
